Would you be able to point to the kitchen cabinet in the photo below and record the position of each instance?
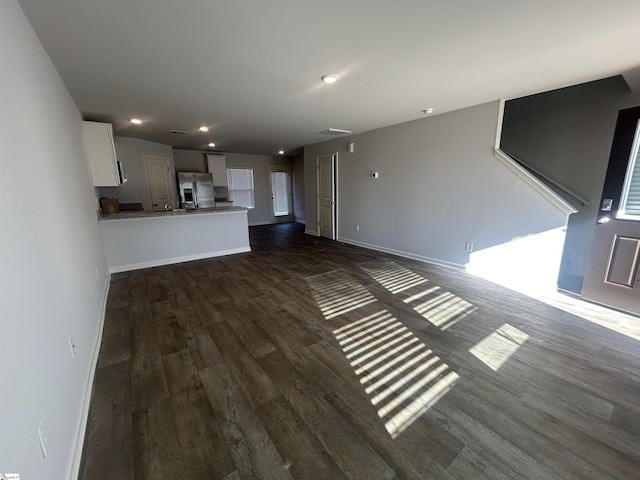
(217, 165)
(101, 154)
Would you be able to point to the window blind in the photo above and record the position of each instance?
(240, 182)
(630, 201)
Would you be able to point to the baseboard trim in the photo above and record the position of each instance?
(170, 261)
(300, 221)
(73, 465)
(311, 232)
(401, 253)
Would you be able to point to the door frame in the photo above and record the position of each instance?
(282, 218)
(168, 176)
(334, 156)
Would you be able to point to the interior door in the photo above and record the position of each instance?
(280, 184)
(326, 196)
(612, 272)
(159, 180)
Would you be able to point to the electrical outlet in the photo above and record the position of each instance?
(356, 227)
(468, 246)
(42, 436)
(72, 346)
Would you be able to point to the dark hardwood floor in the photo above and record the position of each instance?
(311, 359)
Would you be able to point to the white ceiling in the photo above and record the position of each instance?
(250, 69)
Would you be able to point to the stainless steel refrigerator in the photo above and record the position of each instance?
(196, 190)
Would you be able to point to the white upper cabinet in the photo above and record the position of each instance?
(101, 154)
(217, 165)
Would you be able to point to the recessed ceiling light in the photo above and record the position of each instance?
(136, 121)
(281, 152)
(330, 78)
(211, 144)
(204, 129)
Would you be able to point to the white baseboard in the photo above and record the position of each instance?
(300, 221)
(75, 456)
(170, 261)
(401, 253)
(311, 232)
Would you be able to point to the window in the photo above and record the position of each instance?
(630, 201)
(280, 192)
(240, 182)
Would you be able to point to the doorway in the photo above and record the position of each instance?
(613, 269)
(281, 199)
(326, 188)
(159, 181)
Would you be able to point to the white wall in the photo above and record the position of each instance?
(567, 134)
(131, 152)
(439, 187)
(50, 256)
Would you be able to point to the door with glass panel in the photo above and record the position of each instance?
(613, 269)
(280, 184)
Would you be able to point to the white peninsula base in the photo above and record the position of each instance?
(146, 239)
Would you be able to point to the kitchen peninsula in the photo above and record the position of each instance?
(134, 240)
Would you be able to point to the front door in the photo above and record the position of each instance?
(326, 196)
(159, 180)
(612, 274)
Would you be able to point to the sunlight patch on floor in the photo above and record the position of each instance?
(337, 293)
(441, 308)
(393, 277)
(401, 375)
(497, 347)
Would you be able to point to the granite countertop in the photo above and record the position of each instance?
(170, 213)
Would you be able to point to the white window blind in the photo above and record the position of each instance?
(240, 182)
(630, 201)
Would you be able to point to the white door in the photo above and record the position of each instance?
(326, 196)
(280, 184)
(612, 276)
(159, 180)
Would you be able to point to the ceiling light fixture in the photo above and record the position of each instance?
(427, 111)
(330, 78)
(136, 121)
(211, 144)
(281, 152)
(204, 129)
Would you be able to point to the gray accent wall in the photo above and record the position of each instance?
(53, 277)
(566, 135)
(439, 186)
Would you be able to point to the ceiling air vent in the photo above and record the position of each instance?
(335, 131)
(177, 132)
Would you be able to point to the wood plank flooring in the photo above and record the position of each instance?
(311, 359)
